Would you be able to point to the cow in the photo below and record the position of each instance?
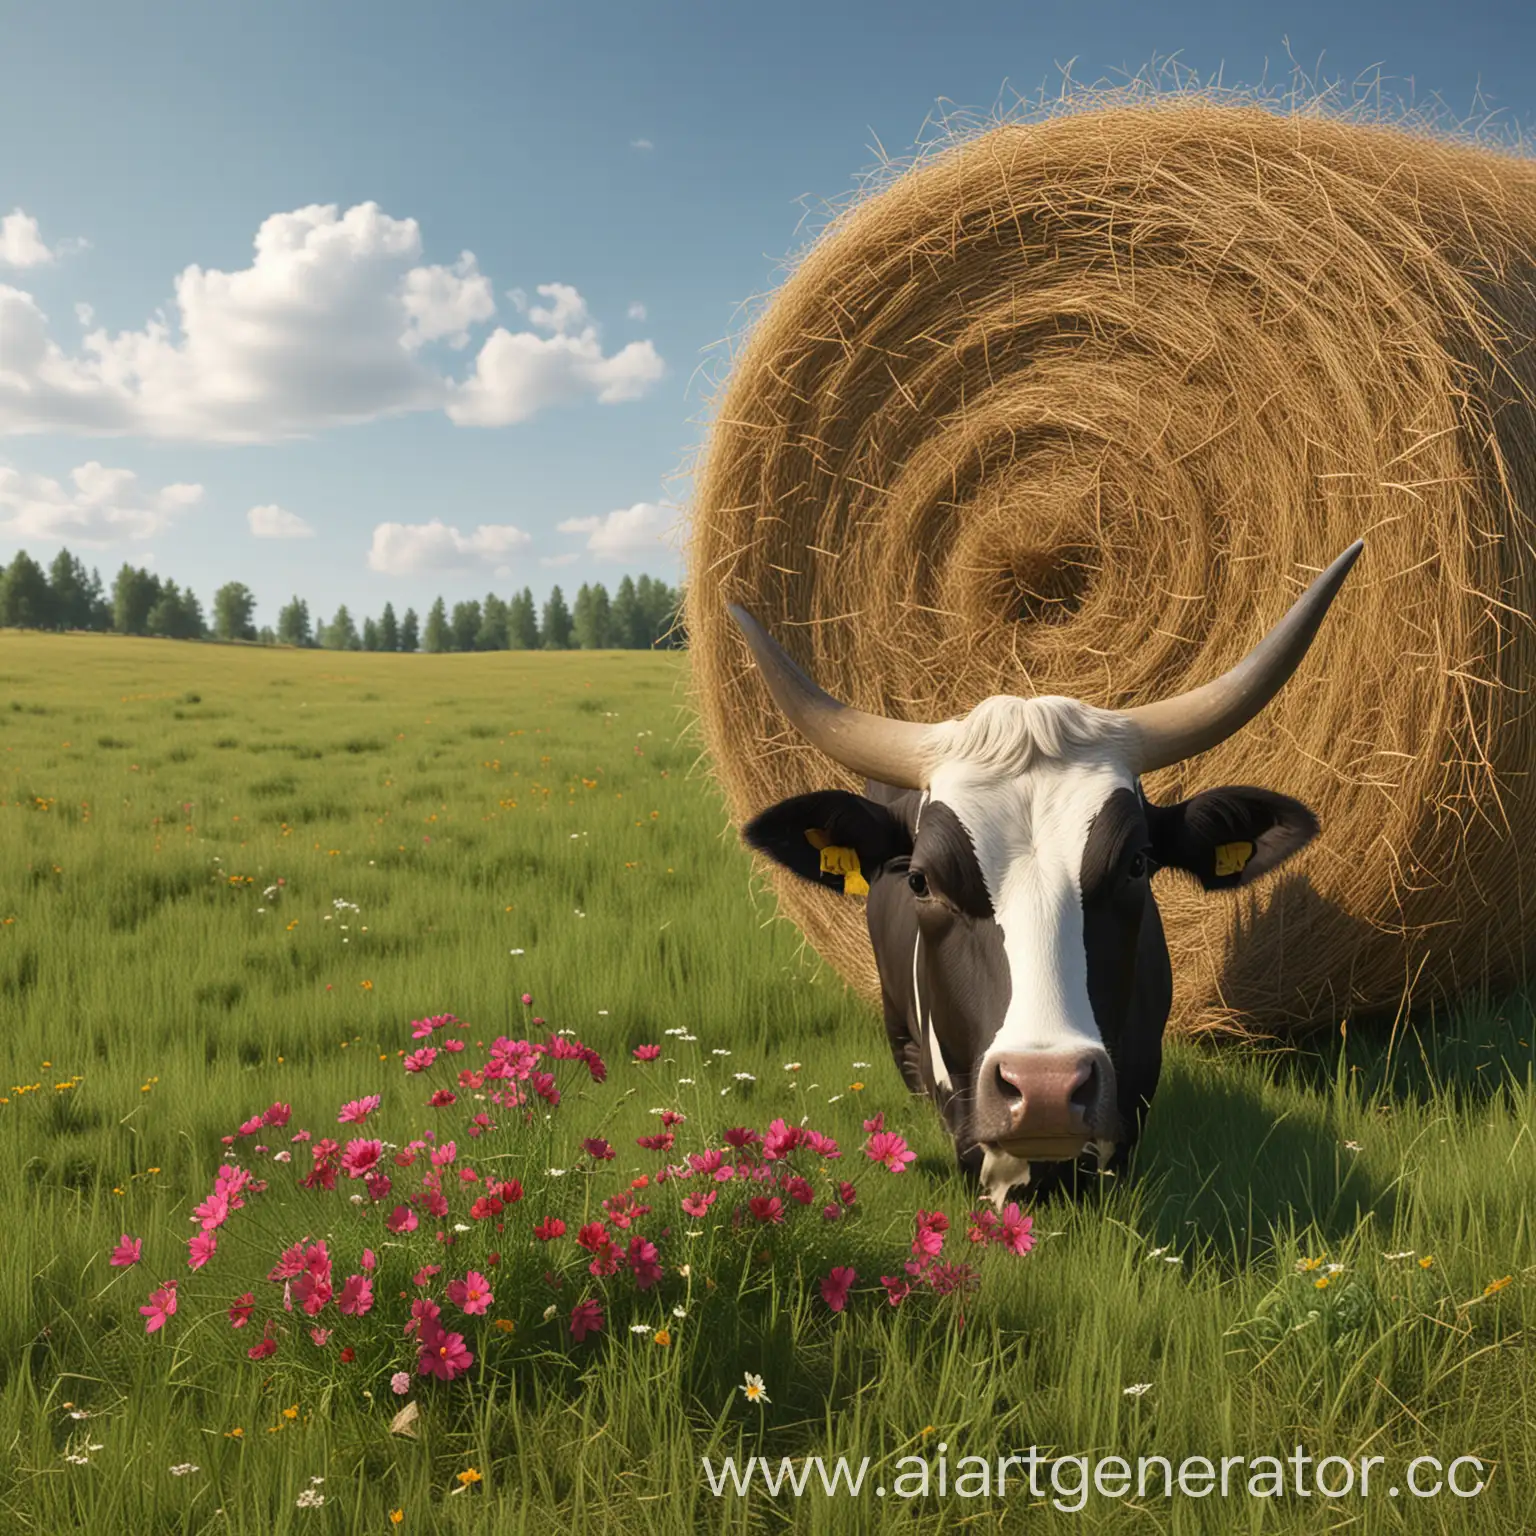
(1007, 860)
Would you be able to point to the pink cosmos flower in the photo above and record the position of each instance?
(889, 1148)
(267, 1346)
(379, 1185)
(658, 1143)
(596, 1147)
(127, 1251)
(320, 1336)
(277, 1116)
(442, 1098)
(1017, 1230)
(799, 1189)
(834, 1289)
(698, 1205)
(445, 1154)
(200, 1249)
(401, 1219)
(419, 1061)
(822, 1146)
(549, 1229)
(984, 1226)
(877, 1124)
(311, 1293)
(847, 1193)
(162, 1305)
(356, 1296)
(442, 1354)
(586, 1317)
(931, 1227)
(643, 1264)
(740, 1137)
(423, 1310)
(647, 1052)
(251, 1126)
(423, 1276)
(358, 1110)
(240, 1312)
(360, 1157)
(400, 1383)
(368, 1259)
(289, 1265)
(472, 1294)
(768, 1209)
(213, 1212)
(782, 1139)
(896, 1289)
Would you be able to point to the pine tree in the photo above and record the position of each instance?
(370, 634)
(556, 625)
(99, 606)
(341, 633)
(389, 631)
(522, 622)
(592, 619)
(176, 615)
(437, 637)
(465, 626)
(293, 624)
(493, 625)
(71, 592)
(625, 619)
(410, 632)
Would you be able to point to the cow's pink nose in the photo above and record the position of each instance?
(1046, 1100)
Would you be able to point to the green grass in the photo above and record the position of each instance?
(471, 806)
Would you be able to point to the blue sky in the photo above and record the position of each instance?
(425, 420)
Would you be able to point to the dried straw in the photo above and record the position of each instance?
(1077, 407)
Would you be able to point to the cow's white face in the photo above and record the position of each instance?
(1028, 829)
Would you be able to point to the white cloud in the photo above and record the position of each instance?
(636, 311)
(99, 507)
(443, 302)
(641, 144)
(626, 534)
(516, 374)
(84, 313)
(274, 522)
(328, 326)
(21, 241)
(405, 549)
(566, 559)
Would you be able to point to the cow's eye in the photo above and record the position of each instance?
(917, 882)
(1137, 868)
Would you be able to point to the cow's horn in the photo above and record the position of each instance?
(1177, 728)
(888, 751)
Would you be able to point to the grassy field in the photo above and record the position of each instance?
(509, 823)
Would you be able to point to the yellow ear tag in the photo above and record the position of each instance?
(1231, 857)
(839, 861)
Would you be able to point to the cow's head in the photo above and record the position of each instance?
(1008, 858)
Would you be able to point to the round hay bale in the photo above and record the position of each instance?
(1078, 407)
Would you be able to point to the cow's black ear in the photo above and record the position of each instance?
(1230, 836)
(832, 837)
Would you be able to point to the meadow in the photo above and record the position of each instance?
(231, 877)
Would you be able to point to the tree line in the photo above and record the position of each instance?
(640, 615)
